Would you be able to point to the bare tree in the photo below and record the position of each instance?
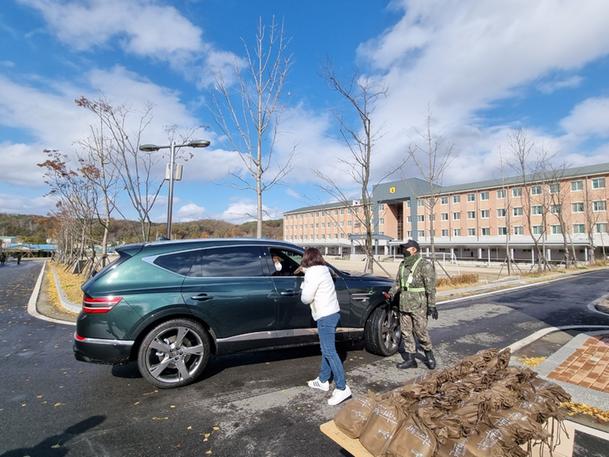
(248, 112)
(432, 156)
(361, 95)
(508, 215)
(133, 166)
(522, 149)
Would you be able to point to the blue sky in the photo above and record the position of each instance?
(483, 68)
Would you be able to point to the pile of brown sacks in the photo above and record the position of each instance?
(479, 407)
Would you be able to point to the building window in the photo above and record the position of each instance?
(579, 228)
(537, 230)
(456, 216)
(444, 200)
(484, 214)
(501, 212)
(408, 203)
(420, 202)
(501, 230)
(517, 192)
(421, 234)
(517, 211)
(421, 218)
(600, 205)
(555, 209)
(456, 232)
(601, 227)
(445, 232)
(409, 234)
(577, 207)
(456, 198)
(382, 220)
(408, 219)
(536, 190)
(323, 237)
(556, 230)
(471, 197)
(486, 231)
(501, 193)
(444, 216)
(471, 215)
(537, 209)
(484, 195)
(598, 183)
(349, 222)
(577, 186)
(554, 188)
(471, 232)
(519, 230)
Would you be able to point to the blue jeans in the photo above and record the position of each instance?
(330, 362)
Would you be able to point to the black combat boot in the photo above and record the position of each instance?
(431, 360)
(409, 361)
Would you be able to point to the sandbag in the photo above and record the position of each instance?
(413, 438)
(381, 427)
(353, 416)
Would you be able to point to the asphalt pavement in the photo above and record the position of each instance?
(246, 404)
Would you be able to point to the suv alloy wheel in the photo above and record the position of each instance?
(174, 353)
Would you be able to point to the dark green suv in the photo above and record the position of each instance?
(170, 305)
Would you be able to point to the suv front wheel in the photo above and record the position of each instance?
(382, 332)
(174, 353)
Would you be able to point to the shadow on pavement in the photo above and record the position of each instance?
(53, 446)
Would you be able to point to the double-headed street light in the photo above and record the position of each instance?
(172, 157)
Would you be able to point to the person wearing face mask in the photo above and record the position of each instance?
(278, 265)
(319, 292)
(416, 284)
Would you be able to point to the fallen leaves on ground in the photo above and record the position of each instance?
(532, 362)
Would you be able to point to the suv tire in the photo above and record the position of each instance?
(174, 353)
(382, 331)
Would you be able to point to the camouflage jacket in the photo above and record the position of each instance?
(420, 294)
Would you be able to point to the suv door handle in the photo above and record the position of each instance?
(289, 292)
(201, 297)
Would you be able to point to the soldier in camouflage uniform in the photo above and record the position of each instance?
(416, 284)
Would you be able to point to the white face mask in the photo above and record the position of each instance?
(278, 266)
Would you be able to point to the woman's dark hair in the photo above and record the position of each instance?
(312, 257)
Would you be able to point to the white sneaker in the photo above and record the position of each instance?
(317, 384)
(338, 396)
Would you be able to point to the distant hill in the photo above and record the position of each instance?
(36, 229)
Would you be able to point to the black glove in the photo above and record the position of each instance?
(433, 312)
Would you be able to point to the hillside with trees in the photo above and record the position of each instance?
(37, 229)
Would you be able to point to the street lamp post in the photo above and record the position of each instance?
(172, 157)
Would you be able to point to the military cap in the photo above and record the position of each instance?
(410, 244)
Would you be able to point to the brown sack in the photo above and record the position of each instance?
(412, 438)
(352, 418)
(382, 425)
(453, 448)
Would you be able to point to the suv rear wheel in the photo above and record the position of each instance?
(382, 332)
(174, 353)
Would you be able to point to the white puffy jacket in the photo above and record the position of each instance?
(319, 292)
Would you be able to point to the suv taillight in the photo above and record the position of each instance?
(99, 305)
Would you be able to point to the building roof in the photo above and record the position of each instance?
(587, 170)
(307, 209)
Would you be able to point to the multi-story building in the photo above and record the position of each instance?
(485, 220)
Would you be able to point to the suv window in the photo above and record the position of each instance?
(290, 261)
(229, 262)
(180, 262)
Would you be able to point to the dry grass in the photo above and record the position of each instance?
(581, 408)
(532, 362)
(70, 283)
(462, 280)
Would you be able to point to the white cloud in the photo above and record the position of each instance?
(190, 212)
(245, 210)
(18, 164)
(144, 28)
(552, 85)
(15, 204)
(588, 118)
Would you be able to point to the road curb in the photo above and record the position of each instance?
(546, 331)
(31, 304)
(63, 300)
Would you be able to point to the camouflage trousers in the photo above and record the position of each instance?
(414, 325)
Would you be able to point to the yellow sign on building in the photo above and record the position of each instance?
(392, 190)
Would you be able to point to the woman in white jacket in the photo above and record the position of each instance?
(319, 292)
